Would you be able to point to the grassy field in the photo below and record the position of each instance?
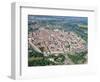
(78, 58)
(82, 26)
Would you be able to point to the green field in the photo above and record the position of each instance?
(82, 26)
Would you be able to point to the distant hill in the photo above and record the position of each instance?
(68, 19)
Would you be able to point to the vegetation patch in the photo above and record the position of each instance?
(78, 58)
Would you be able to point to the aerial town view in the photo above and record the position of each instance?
(57, 40)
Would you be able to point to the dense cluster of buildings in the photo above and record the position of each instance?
(56, 41)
